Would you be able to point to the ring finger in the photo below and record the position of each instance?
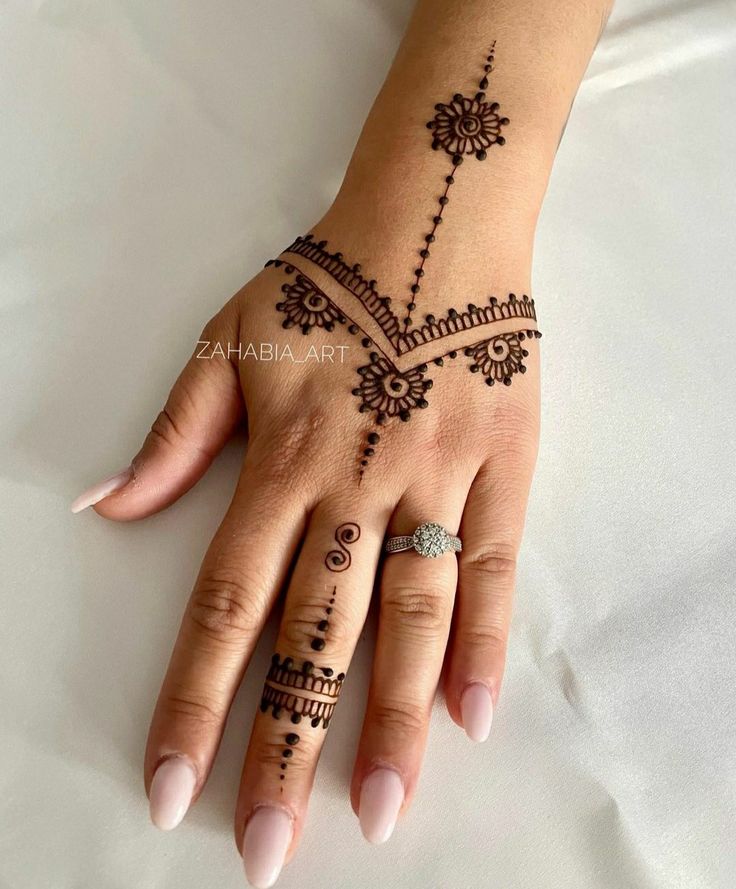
(417, 596)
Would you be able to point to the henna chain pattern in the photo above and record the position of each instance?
(378, 307)
(318, 642)
(292, 739)
(382, 388)
(461, 127)
(464, 126)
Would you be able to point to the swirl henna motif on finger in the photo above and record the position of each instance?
(340, 559)
(389, 385)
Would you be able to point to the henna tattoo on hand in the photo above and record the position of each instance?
(393, 382)
(469, 126)
(499, 358)
(318, 642)
(461, 127)
(292, 739)
(304, 692)
(306, 306)
(346, 535)
(383, 388)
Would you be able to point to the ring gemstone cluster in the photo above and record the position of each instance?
(429, 540)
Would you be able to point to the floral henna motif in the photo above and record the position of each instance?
(390, 393)
(465, 126)
(350, 277)
(306, 306)
(498, 359)
(387, 391)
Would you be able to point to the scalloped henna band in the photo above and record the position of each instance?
(306, 692)
(388, 386)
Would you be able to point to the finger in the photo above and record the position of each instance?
(242, 574)
(324, 612)
(199, 416)
(492, 526)
(415, 614)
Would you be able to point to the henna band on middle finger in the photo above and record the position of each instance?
(301, 691)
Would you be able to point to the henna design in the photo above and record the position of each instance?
(499, 358)
(388, 387)
(390, 393)
(307, 692)
(318, 642)
(383, 388)
(346, 535)
(292, 739)
(464, 126)
(429, 239)
(467, 126)
(378, 307)
(306, 306)
(351, 279)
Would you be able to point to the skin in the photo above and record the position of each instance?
(466, 462)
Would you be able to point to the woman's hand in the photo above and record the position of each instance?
(353, 444)
(403, 389)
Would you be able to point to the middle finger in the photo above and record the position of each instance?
(324, 612)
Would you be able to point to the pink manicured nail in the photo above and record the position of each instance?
(476, 708)
(265, 843)
(102, 489)
(381, 797)
(171, 792)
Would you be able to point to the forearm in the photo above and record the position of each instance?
(392, 188)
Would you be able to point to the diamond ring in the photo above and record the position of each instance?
(429, 540)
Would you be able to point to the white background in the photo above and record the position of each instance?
(152, 156)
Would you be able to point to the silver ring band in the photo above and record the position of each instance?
(429, 540)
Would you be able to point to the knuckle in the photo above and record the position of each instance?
(165, 430)
(515, 423)
(270, 753)
(489, 637)
(491, 560)
(224, 609)
(391, 717)
(306, 620)
(421, 610)
(292, 444)
(193, 708)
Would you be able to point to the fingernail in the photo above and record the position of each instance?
(476, 708)
(171, 792)
(381, 796)
(102, 489)
(265, 843)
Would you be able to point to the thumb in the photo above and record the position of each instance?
(198, 418)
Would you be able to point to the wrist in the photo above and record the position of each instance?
(473, 253)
